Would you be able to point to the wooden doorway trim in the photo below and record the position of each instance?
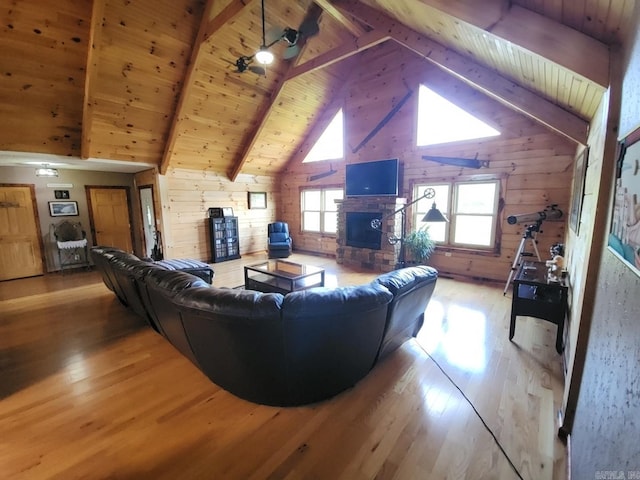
(127, 190)
(143, 236)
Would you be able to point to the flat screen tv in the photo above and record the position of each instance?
(369, 179)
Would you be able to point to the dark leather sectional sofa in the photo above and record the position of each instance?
(269, 348)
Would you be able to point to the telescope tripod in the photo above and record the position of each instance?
(521, 252)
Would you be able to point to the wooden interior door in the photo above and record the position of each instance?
(111, 217)
(20, 239)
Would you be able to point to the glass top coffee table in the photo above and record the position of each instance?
(282, 276)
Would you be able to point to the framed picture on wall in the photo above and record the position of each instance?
(257, 200)
(624, 235)
(63, 209)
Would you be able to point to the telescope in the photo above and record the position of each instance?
(551, 212)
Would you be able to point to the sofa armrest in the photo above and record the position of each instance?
(412, 288)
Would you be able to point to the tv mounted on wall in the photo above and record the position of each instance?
(379, 178)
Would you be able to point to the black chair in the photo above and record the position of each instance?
(279, 244)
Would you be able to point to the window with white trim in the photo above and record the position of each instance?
(470, 206)
(319, 209)
(330, 145)
(442, 121)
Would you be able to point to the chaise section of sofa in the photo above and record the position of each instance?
(412, 288)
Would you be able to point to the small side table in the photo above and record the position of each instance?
(535, 295)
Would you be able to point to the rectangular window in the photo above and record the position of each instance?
(319, 210)
(470, 206)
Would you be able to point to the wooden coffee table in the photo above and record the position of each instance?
(282, 276)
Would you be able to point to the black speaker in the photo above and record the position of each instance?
(215, 212)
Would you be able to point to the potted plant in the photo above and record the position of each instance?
(419, 245)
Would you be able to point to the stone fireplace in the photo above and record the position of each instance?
(362, 209)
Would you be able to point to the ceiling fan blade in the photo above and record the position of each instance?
(291, 51)
(258, 70)
(309, 27)
(273, 35)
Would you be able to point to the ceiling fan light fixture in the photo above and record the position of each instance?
(264, 56)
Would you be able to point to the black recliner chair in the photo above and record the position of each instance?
(279, 243)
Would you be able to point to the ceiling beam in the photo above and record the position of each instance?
(344, 20)
(95, 32)
(227, 14)
(481, 78)
(535, 33)
(262, 115)
(208, 27)
(265, 109)
(357, 45)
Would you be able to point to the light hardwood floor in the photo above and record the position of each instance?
(88, 391)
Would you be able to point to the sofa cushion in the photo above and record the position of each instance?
(162, 288)
(403, 280)
(194, 267)
(129, 274)
(237, 337)
(332, 338)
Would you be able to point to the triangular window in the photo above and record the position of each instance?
(330, 145)
(440, 121)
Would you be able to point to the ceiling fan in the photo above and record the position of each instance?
(308, 28)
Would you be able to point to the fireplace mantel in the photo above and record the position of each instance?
(383, 260)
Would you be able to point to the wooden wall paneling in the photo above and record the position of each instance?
(47, 85)
(579, 252)
(603, 19)
(190, 193)
(210, 24)
(213, 100)
(282, 101)
(536, 163)
(136, 72)
(511, 59)
(141, 63)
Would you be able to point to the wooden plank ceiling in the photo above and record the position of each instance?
(159, 84)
